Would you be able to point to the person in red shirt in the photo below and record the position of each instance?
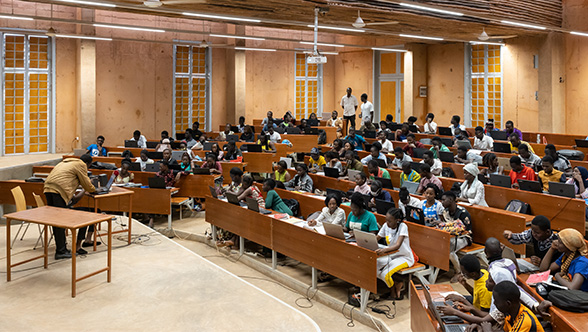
(411, 144)
(520, 171)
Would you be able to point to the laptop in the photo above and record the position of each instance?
(336, 192)
(180, 136)
(444, 321)
(447, 141)
(445, 131)
(177, 155)
(500, 180)
(201, 171)
(382, 163)
(418, 152)
(331, 172)
(152, 167)
(498, 135)
(253, 148)
(287, 160)
(412, 128)
(312, 122)
(213, 192)
(234, 199)
(352, 174)
(152, 145)
(527, 185)
(135, 167)
(175, 145)
(367, 147)
(155, 155)
(522, 265)
(234, 129)
(311, 131)
(386, 183)
(336, 231)
(280, 130)
(207, 146)
(232, 138)
(131, 144)
(502, 147)
(483, 178)
(562, 189)
(292, 130)
(253, 205)
(157, 182)
(446, 156)
(106, 189)
(464, 142)
(369, 134)
(415, 215)
(367, 240)
(411, 186)
(382, 206)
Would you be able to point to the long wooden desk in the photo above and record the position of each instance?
(118, 193)
(62, 218)
(421, 317)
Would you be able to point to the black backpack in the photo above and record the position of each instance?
(447, 172)
(518, 206)
(573, 300)
(294, 205)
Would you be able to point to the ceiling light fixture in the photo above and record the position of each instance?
(440, 11)
(579, 33)
(524, 25)
(89, 3)
(321, 44)
(420, 37)
(236, 37)
(127, 28)
(227, 18)
(16, 18)
(322, 53)
(486, 43)
(388, 49)
(82, 37)
(336, 28)
(359, 23)
(255, 49)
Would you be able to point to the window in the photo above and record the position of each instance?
(486, 85)
(309, 85)
(191, 87)
(27, 104)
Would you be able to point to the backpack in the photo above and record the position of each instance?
(573, 300)
(518, 206)
(322, 137)
(294, 205)
(447, 172)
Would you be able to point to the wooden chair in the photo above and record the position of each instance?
(21, 205)
(41, 203)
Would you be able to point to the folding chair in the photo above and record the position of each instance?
(21, 205)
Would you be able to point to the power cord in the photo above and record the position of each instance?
(350, 318)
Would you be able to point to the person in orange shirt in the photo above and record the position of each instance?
(520, 171)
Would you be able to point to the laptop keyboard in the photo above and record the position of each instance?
(455, 328)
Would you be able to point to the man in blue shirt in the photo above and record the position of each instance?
(356, 140)
(96, 150)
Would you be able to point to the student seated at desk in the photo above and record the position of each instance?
(361, 185)
(331, 213)
(241, 125)
(481, 141)
(356, 141)
(212, 164)
(124, 176)
(269, 116)
(164, 135)
(472, 189)
(520, 172)
(281, 174)
(301, 181)
(216, 150)
(200, 142)
(266, 145)
(376, 171)
(184, 147)
(236, 175)
(352, 163)
(348, 146)
(395, 232)
(96, 150)
(377, 192)
(579, 179)
(549, 174)
(303, 126)
(411, 144)
(529, 158)
(408, 174)
(432, 208)
(400, 158)
(335, 121)
(167, 157)
(571, 268)
(515, 143)
(337, 147)
(402, 133)
(249, 190)
(163, 145)
(316, 162)
(367, 126)
(273, 200)
(386, 144)
(480, 298)
(288, 121)
(540, 235)
(430, 126)
(438, 146)
(143, 160)
(466, 156)
(269, 124)
(360, 218)
(491, 161)
(460, 136)
(273, 135)
(232, 152)
(166, 174)
(427, 178)
(196, 133)
(332, 160)
(435, 164)
(140, 139)
(455, 124)
(455, 220)
(247, 135)
(510, 129)
(375, 154)
(489, 127)
(187, 164)
(189, 138)
(560, 162)
(404, 200)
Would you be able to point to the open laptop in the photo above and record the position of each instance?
(367, 240)
(582, 143)
(382, 206)
(175, 145)
(446, 156)
(135, 167)
(253, 148)
(367, 147)
(106, 189)
(213, 192)
(369, 134)
(234, 199)
(500, 180)
(415, 215)
(152, 167)
(207, 146)
(292, 130)
(502, 147)
(331, 172)
(562, 189)
(411, 186)
(177, 155)
(522, 265)
(253, 205)
(498, 135)
(336, 231)
(156, 182)
(131, 144)
(312, 122)
(352, 174)
(527, 185)
(235, 129)
(151, 145)
(180, 136)
(201, 171)
(336, 192)
(311, 131)
(155, 155)
(287, 160)
(464, 142)
(382, 163)
(418, 152)
(444, 321)
(386, 183)
(447, 141)
(445, 131)
(232, 138)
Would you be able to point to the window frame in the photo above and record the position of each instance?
(306, 79)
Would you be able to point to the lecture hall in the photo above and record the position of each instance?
(324, 165)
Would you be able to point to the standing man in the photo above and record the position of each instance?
(59, 190)
(367, 109)
(349, 105)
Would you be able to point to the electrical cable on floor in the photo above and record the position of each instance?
(350, 318)
(373, 321)
(307, 298)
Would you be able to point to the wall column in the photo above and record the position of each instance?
(552, 101)
(415, 75)
(236, 80)
(86, 82)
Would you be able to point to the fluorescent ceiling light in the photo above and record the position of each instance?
(16, 18)
(82, 37)
(255, 49)
(89, 3)
(524, 25)
(227, 18)
(237, 37)
(440, 11)
(486, 43)
(579, 33)
(336, 28)
(420, 37)
(127, 28)
(322, 53)
(388, 49)
(321, 44)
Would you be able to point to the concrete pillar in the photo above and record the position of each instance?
(236, 80)
(552, 102)
(415, 76)
(86, 82)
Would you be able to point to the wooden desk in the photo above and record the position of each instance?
(62, 218)
(421, 317)
(119, 193)
(561, 320)
(260, 162)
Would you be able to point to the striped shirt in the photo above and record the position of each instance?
(525, 321)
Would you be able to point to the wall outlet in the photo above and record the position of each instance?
(77, 138)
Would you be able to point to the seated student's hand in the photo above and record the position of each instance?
(535, 260)
(447, 310)
(507, 234)
(515, 185)
(464, 307)
(486, 327)
(456, 298)
(543, 308)
(312, 223)
(473, 328)
(380, 251)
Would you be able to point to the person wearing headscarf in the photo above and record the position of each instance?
(579, 179)
(472, 190)
(571, 268)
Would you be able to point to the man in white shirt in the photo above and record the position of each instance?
(400, 157)
(349, 104)
(141, 140)
(455, 124)
(482, 141)
(367, 109)
(436, 165)
(274, 136)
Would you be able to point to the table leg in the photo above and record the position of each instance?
(130, 221)
(8, 220)
(96, 225)
(46, 245)
(109, 255)
(274, 260)
(74, 236)
(314, 278)
(169, 221)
